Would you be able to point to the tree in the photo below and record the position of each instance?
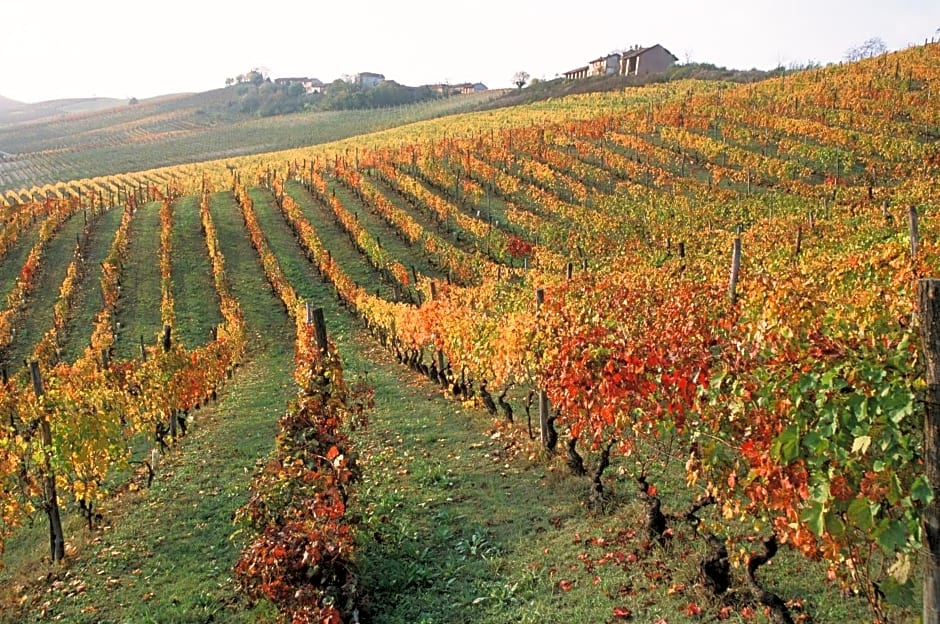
(867, 49)
(520, 78)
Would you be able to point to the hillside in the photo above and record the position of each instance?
(12, 112)
(594, 358)
(561, 87)
(62, 140)
(7, 104)
(181, 128)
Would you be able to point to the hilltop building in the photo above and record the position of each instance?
(637, 61)
(464, 88)
(469, 88)
(367, 80)
(311, 85)
(641, 61)
(577, 73)
(604, 66)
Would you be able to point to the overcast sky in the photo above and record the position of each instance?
(83, 48)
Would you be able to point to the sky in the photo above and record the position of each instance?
(54, 49)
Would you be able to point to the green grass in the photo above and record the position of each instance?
(139, 305)
(196, 304)
(56, 259)
(166, 553)
(88, 299)
(12, 262)
(264, 311)
(390, 238)
(336, 239)
(166, 556)
(298, 271)
(463, 520)
(461, 526)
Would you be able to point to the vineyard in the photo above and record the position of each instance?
(174, 130)
(692, 312)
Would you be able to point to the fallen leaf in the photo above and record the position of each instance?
(623, 613)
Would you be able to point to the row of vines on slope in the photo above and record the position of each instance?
(300, 555)
(794, 406)
(81, 416)
(675, 371)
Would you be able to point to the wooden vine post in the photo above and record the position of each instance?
(439, 354)
(315, 317)
(167, 341)
(912, 219)
(543, 397)
(50, 497)
(929, 309)
(735, 270)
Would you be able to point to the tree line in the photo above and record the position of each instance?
(266, 98)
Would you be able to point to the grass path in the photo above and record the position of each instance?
(89, 299)
(390, 238)
(13, 260)
(56, 259)
(167, 555)
(446, 504)
(423, 216)
(196, 305)
(461, 520)
(336, 239)
(138, 309)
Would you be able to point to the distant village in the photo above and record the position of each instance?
(636, 61)
(368, 80)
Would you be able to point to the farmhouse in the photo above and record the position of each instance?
(637, 61)
(368, 79)
(469, 88)
(465, 88)
(314, 85)
(641, 61)
(311, 85)
(605, 65)
(579, 72)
